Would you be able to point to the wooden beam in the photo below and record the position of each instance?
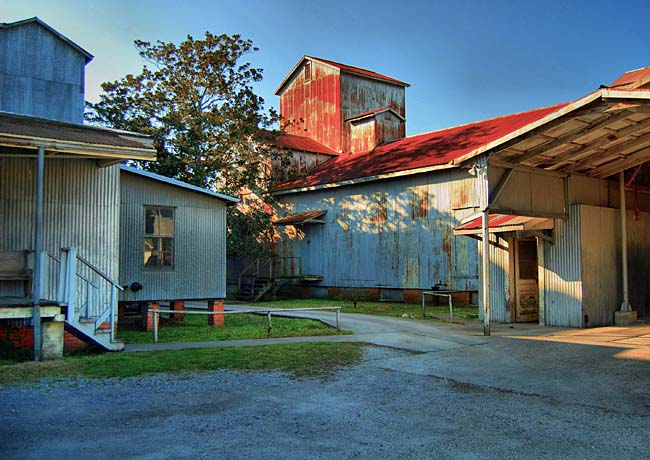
(529, 169)
(587, 150)
(622, 164)
(527, 213)
(571, 136)
(603, 155)
(498, 190)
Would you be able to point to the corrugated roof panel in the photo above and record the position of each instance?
(420, 151)
(303, 144)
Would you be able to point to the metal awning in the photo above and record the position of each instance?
(606, 133)
(302, 218)
(504, 223)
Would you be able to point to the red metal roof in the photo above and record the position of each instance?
(309, 217)
(421, 151)
(303, 144)
(632, 79)
(504, 222)
(369, 113)
(359, 71)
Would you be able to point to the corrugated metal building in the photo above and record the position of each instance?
(41, 72)
(541, 186)
(68, 214)
(192, 234)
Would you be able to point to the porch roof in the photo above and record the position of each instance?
(504, 223)
(21, 133)
(302, 218)
(600, 135)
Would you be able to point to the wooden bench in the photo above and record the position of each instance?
(14, 267)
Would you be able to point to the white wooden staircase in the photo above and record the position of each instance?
(90, 299)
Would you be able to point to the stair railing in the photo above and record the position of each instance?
(89, 294)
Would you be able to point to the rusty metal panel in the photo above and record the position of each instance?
(199, 242)
(313, 107)
(40, 74)
(81, 208)
(563, 273)
(361, 246)
(362, 135)
(360, 95)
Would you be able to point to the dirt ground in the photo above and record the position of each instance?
(395, 405)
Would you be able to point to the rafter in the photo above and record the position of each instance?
(622, 164)
(588, 149)
(571, 136)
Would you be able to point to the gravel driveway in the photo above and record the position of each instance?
(385, 408)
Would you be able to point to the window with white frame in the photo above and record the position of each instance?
(159, 237)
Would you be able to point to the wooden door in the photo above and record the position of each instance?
(526, 286)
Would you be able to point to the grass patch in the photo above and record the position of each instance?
(299, 359)
(194, 328)
(393, 309)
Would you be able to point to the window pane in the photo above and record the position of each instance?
(166, 222)
(149, 220)
(167, 252)
(151, 258)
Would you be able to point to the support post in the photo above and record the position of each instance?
(486, 273)
(484, 193)
(626, 315)
(38, 243)
(338, 315)
(268, 313)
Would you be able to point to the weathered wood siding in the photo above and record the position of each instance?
(81, 209)
(40, 74)
(411, 247)
(199, 242)
(314, 107)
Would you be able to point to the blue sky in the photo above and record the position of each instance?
(465, 60)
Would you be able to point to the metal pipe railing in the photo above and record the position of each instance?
(157, 311)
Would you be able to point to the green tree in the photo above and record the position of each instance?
(210, 129)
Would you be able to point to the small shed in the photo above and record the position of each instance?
(173, 239)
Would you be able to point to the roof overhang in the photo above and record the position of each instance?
(302, 218)
(600, 135)
(230, 200)
(373, 113)
(499, 223)
(24, 135)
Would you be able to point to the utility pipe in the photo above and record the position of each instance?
(38, 243)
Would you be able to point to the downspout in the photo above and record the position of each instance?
(38, 243)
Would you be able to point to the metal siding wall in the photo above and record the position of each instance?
(81, 208)
(638, 253)
(563, 273)
(314, 107)
(601, 252)
(499, 281)
(359, 95)
(352, 250)
(40, 75)
(200, 242)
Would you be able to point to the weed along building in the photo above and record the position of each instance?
(72, 222)
(541, 190)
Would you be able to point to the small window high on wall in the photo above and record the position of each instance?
(159, 237)
(307, 71)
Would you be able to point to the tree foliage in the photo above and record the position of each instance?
(210, 129)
